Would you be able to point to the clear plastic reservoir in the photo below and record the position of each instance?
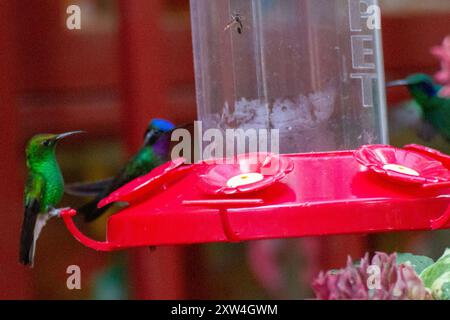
(313, 69)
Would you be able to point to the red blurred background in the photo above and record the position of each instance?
(132, 62)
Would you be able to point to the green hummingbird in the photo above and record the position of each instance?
(435, 109)
(153, 153)
(43, 190)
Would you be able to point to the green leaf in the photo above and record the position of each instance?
(437, 277)
(419, 263)
(446, 291)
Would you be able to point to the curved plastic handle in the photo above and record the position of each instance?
(67, 216)
(442, 221)
(223, 205)
(231, 235)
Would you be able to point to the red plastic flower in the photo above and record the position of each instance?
(414, 165)
(243, 174)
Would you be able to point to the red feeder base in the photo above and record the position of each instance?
(316, 194)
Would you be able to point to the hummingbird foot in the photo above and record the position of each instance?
(56, 213)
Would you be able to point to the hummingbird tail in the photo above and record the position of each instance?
(89, 189)
(90, 210)
(27, 238)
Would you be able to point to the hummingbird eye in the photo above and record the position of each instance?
(46, 143)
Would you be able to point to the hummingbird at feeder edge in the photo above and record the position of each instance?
(435, 108)
(153, 153)
(43, 190)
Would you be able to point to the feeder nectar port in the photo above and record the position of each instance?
(401, 169)
(244, 179)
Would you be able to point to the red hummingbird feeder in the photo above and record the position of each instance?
(377, 188)
(301, 75)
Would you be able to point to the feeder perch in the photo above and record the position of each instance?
(310, 75)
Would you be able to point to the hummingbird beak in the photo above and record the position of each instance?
(67, 134)
(397, 83)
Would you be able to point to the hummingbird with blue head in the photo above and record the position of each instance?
(153, 153)
(434, 107)
(43, 190)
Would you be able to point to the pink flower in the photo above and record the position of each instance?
(397, 282)
(443, 53)
(445, 92)
(243, 174)
(414, 165)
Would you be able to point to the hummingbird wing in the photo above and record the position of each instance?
(88, 189)
(437, 115)
(135, 168)
(90, 211)
(426, 131)
(33, 192)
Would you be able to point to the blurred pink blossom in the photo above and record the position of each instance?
(263, 258)
(397, 282)
(442, 52)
